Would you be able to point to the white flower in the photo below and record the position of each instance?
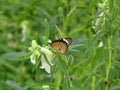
(45, 65)
(32, 59)
(48, 54)
(37, 52)
(100, 44)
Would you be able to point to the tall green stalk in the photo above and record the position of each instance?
(58, 79)
(62, 74)
(93, 82)
(109, 62)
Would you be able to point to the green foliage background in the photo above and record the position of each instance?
(87, 22)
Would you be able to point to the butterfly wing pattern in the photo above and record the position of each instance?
(61, 45)
(69, 40)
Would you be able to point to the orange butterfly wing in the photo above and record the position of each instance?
(59, 46)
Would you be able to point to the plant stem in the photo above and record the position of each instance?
(93, 82)
(109, 62)
(58, 79)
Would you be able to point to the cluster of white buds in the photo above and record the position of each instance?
(37, 53)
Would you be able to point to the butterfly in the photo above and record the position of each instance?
(61, 45)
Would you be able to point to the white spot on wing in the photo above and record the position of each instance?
(65, 41)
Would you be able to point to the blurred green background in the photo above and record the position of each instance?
(87, 22)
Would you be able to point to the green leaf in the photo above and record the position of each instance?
(12, 56)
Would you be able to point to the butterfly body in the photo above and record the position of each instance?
(61, 45)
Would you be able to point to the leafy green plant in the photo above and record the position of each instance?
(92, 61)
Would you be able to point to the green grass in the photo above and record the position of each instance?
(85, 66)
